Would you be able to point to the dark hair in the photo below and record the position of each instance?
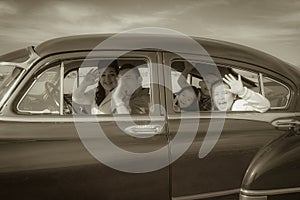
(108, 63)
(131, 67)
(195, 105)
(100, 92)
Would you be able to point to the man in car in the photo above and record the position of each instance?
(129, 97)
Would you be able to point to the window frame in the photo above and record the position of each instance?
(60, 59)
(260, 74)
(144, 58)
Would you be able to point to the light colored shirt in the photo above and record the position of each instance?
(105, 106)
(251, 101)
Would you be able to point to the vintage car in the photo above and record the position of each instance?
(44, 153)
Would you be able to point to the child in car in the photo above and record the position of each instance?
(224, 96)
(187, 99)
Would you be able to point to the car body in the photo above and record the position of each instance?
(257, 155)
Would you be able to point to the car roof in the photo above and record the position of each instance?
(215, 48)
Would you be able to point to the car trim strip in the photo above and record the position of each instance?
(271, 191)
(91, 118)
(61, 93)
(207, 195)
(266, 117)
(246, 197)
(261, 84)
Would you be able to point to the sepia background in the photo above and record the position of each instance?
(267, 25)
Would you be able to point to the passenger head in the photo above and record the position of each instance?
(188, 98)
(131, 77)
(207, 82)
(108, 72)
(222, 98)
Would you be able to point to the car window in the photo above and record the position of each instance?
(207, 93)
(83, 96)
(42, 97)
(277, 93)
(188, 90)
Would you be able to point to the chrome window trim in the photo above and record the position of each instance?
(267, 117)
(261, 84)
(270, 191)
(73, 119)
(246, 197)
(207, 195)
(61, 92)
(262, 117)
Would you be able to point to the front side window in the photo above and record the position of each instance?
(43, 94)
(105, 87)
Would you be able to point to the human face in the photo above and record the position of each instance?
(130, 80)
(222, 98)
(108, 78)
(186, 98)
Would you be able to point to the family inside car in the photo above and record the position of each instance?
(119, 89)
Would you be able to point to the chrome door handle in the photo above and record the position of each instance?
(285, 123)
(143, 131)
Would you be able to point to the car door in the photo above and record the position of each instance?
(49, 152)
(224, 145)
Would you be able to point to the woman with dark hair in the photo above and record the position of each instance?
(98, 98)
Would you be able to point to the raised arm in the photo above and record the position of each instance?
(255, 101)
(79, 94)
(120, 99)
(182, 80)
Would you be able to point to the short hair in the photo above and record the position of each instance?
(131, 67)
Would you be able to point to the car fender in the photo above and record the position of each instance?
(275, 167)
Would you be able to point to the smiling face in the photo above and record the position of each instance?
(131, 80)
(186, 98)
(108, 78)
(222, 98)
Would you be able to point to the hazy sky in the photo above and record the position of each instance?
(272, 26)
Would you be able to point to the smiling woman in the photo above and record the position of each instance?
(105, 76)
